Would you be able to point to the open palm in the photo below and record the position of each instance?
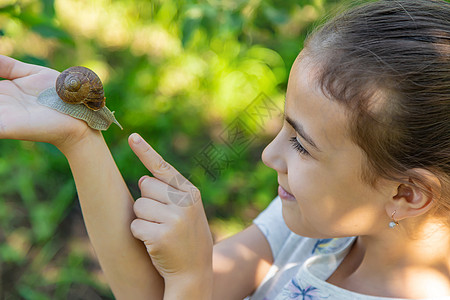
(21, 116)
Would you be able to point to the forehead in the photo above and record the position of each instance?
(324, 119)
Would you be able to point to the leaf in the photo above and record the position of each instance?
(51, 31)
(41, 221)
(34, 60)
(188, 29)
(44, 219)
(29, 294)
(275, 16)
(9, 254)
(49, 8)
(11, 9)
(62, 201)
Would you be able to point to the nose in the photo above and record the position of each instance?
(272, 156)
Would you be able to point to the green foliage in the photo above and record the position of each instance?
(179, 73)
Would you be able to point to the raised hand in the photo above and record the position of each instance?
(170, 219)
(21, 117)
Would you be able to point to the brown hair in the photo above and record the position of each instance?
(389, 62)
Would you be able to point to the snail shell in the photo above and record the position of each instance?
(77, 85)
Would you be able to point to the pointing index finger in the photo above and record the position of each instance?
(157, 165)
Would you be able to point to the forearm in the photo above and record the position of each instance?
(107, 208)
(191, 287)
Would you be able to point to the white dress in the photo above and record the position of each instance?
(302, 265)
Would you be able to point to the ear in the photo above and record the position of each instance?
(416, 196)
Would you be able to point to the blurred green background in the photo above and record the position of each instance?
(202, 81)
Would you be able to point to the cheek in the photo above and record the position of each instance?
(314, 205)
(329, 204)
(308, 184)
(331, 183)
(321, 195)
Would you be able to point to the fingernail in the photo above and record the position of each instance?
(136, 138)
(142, 179)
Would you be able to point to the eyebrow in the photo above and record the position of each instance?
(299, 129)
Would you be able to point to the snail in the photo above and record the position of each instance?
(81, 85)
(78, 92)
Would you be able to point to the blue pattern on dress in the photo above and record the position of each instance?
(293, 290)
(325, 246)
(320, 244)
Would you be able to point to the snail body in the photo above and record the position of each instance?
(80, 85)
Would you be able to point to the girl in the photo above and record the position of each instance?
(363, 171)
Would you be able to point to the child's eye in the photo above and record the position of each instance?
(297, 146)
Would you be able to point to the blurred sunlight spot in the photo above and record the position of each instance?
(19, 241)
(102, 20)
(272, 59)
(160, 104)
(228, 92)
(229, 49)
(116, 34)
(101, 68)
(14, 28)
(144, 80)
(155, 42)
(266, 55)
(7, 2)
(183, 75)
(222, 229)
(6, 45)
(51, 273)
(81, 17)
(250, 8)
(181, 142)
(238, 78)
(36, 45)
(167, 12)
(194, 12)
(80, 245)
(176, 80)
(299, 19)
(310, 13)
(319, 3)
(259, 73)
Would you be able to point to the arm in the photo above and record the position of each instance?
(105, 200)
(240, 261)
(107, 208)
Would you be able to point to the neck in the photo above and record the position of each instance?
(399, 263)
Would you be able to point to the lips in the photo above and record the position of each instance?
(284, 194)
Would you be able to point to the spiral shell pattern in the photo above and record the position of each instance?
(77, 85)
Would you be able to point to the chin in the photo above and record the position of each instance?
(297, 225)
(302, 228)
(310, 233)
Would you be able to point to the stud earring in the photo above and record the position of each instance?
(393, 223)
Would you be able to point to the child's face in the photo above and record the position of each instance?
(331, 200)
